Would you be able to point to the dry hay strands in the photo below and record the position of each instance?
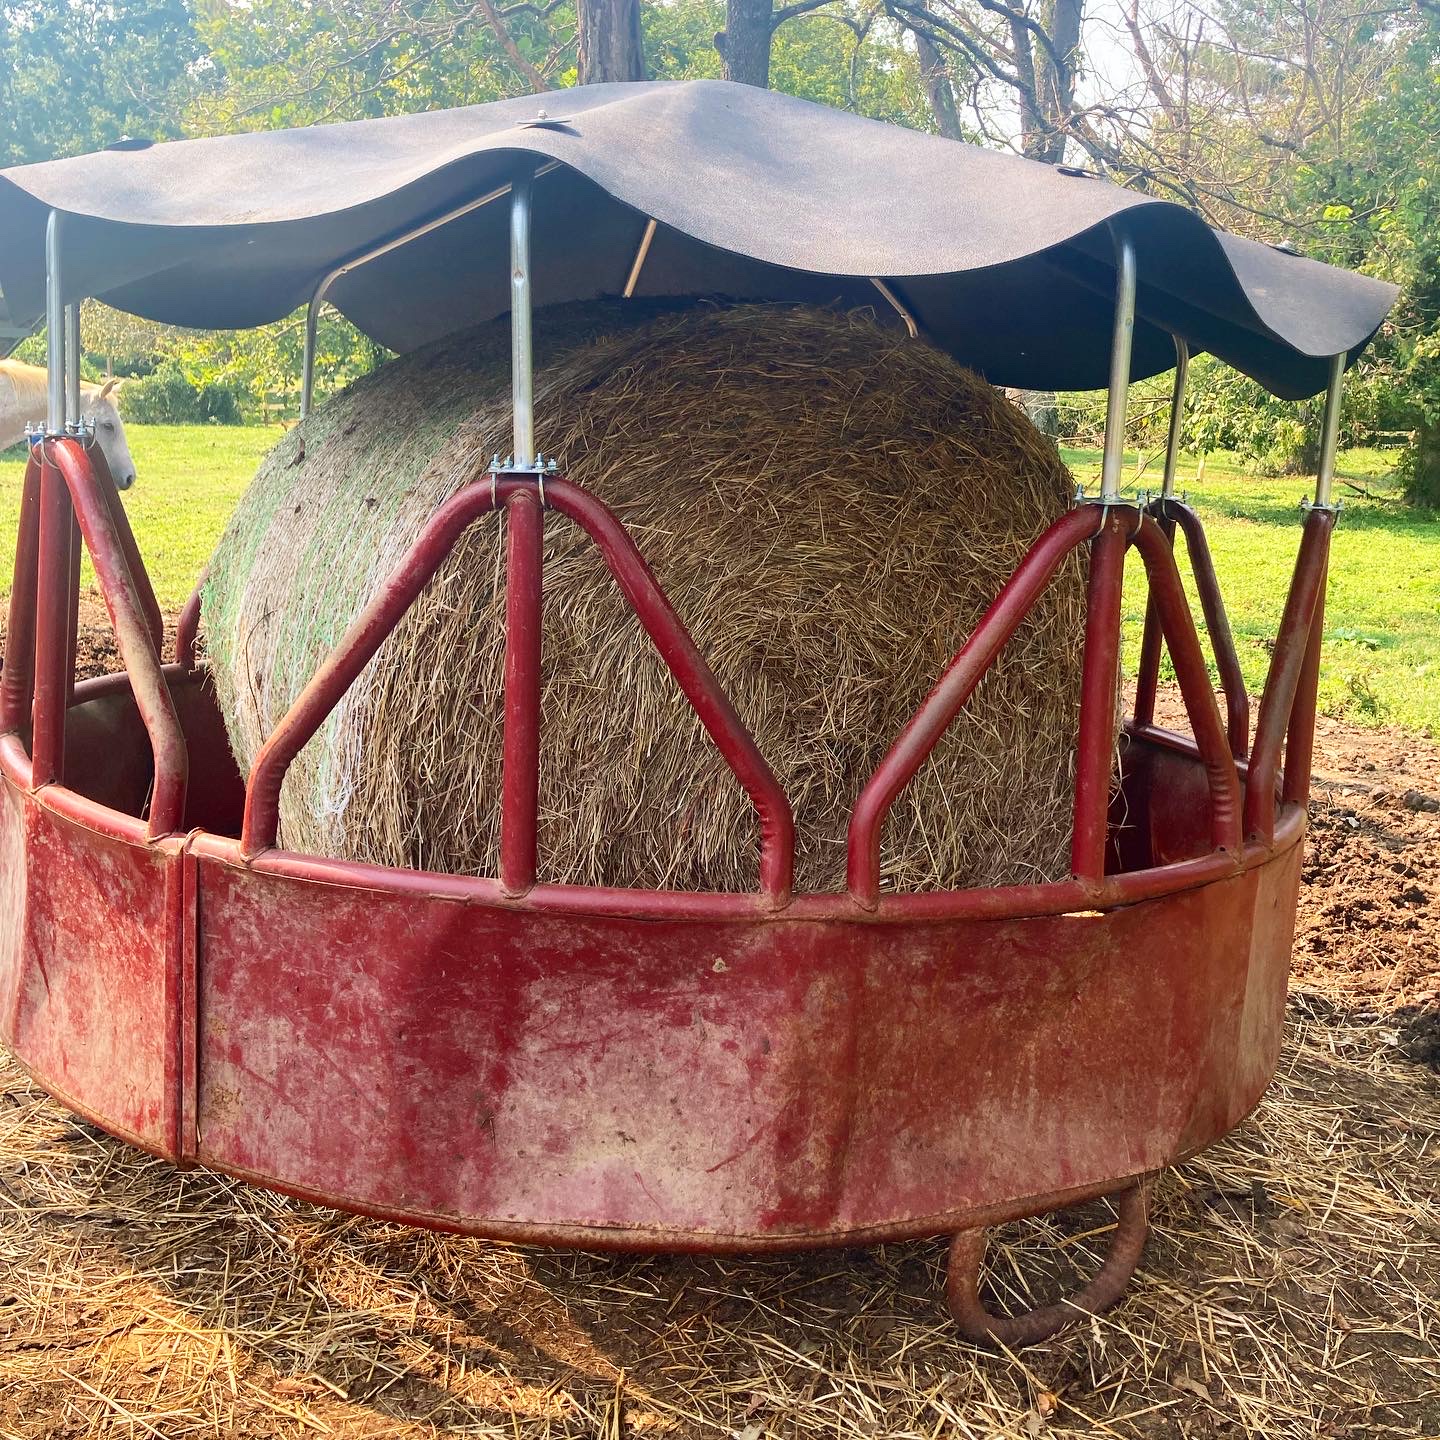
(829, 505)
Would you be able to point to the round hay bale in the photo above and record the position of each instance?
(830, 506)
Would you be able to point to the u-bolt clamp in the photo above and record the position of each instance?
(538, 469)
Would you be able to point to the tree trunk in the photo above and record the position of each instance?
(611, 47)
(1420, 467)
(1065, 36)
(1043, 410)
(744, 43)
(938, 87)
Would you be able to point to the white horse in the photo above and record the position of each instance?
(22, 402)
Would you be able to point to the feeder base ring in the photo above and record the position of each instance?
(976, 1323)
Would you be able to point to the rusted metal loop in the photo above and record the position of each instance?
(962, 1280)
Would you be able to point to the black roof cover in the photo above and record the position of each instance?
(1006, 263)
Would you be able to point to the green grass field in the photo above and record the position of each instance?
(1382, 642)
(190, 478)
(1382, 620)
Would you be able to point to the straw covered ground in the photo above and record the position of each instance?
(830, 507)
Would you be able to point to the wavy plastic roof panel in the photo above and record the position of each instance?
(1006, 263)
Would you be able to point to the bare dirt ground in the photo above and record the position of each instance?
(1291, 1288)
(1369, 932)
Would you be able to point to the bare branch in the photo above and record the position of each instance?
(507, 41)
(801, 7)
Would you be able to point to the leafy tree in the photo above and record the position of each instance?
(170, 397)
(843, 54)
(1381, 204)
(1025, 57)
(304, 62)
(76, 75)
(1307, 120)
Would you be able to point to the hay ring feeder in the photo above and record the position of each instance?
(632, 1069)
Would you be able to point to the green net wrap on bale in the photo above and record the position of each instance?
(830, 506)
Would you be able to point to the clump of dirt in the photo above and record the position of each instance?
(1368, 936)
(97, 652)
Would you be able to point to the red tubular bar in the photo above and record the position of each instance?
(187, 627)
(67, 459)
(1167, 513)
(1217, 622)
(923, 730)
(17, 678)
(359, 644)
(1300, 741)
(693, 675)
(52, 613)
(72, 619)
(1281, 698)
(356, 649)
(1147, 678)
(129, 550)
(1167, 595)
(1099, 682)
(520, 775)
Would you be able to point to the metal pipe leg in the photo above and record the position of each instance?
(1095, 747)
(967, 1252)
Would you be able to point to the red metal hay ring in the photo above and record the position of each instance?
(962, 1280)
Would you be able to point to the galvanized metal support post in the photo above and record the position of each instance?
(1177, 416)
(1330, 432)
(55, 327)
(522, 359)
(638, 264)
(56, 578)
(1147, 679)
(907, 317)
(72, 365)
(1094, 748)
(307, 365)
(374, 252)
(1120, 347)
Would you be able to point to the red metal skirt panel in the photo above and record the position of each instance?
(90, 967)
(756, 1084)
